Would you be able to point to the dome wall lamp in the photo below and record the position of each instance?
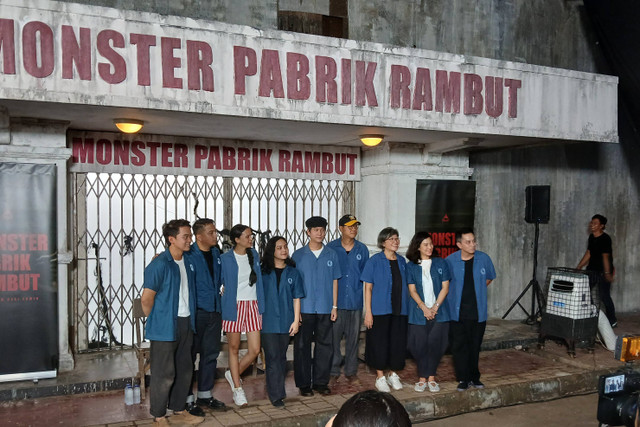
(128, 125)
(371, 140)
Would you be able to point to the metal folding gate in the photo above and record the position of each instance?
(117, 230)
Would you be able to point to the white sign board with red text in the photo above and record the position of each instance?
(166, 155)
(88, 55)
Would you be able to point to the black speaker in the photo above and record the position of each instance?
(537, 204)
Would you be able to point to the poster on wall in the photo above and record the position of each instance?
(442, 208)
(28, 272)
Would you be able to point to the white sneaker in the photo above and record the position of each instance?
(394, 381)
(434, 387)
(381, 385)
(227, 375)
(420, 386)
(239, 398)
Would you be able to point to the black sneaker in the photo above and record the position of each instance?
(194, 410)
(462, 386)
(278, 403)
(212, 403)
(322, 389)
(306, 391)
(476, 384)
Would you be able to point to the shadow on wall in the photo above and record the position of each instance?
(578, 156)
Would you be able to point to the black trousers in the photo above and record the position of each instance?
(386, 343)
(427, 343)
(313, 370)
(275, 352)
(604, 289)
(465, 337)
(206, 342)
(171, 370)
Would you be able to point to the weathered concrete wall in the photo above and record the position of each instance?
(542, 32)
(255, 13)
(549, 32)
(585, 179)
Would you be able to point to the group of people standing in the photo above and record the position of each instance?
(317, 295)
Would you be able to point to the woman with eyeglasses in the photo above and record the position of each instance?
(385, 303)
(242, 305)
(428, 280)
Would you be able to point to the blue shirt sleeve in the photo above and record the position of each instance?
(491, 271)
(297, 288)
(154, 276)
(411, 277)
(367, 271)
(337, 273)
(446, 272)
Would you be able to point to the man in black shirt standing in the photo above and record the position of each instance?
(599, 259)
(471, 272)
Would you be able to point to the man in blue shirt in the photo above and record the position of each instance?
(205, 256)
(169, 300)
(353, 255)
(471, 272)
(320, 270)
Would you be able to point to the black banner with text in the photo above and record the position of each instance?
(28, 269)
(442, 208)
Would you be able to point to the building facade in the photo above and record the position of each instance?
(247, 122)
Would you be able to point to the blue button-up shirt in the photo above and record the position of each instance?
(483, 270)
(351, 265)
(207, 287)
(318, 275)
(378, 272)
(229, 277)
(439, 273)
(162, 275)
(278, 311)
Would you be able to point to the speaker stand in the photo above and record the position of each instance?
(534, 315)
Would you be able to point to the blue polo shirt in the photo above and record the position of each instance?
(162, 275)
(207, 287)
(351, 265)
(229, 278)
(318, 275)
(483, 270)
(378, 272)
(278, 311)
(439, 273)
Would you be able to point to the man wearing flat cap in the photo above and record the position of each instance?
(353, 255)
(320, 270)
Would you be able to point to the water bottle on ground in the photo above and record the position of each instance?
(128, 395)
(136, 394)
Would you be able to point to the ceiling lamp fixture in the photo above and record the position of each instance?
(371, 140)
(128, 125)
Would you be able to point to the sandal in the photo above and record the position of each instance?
(420, 386)
(433, 387)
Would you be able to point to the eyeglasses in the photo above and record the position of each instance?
(353, 227)
(393, 239)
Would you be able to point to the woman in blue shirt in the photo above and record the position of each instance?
(385, 304)
(242, 305)
(283, 289)
(428, 280)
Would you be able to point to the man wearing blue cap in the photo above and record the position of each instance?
(320, 270)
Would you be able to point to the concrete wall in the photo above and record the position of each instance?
(542, 32)
(549, 32)
(255, 13)
(585, 179)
